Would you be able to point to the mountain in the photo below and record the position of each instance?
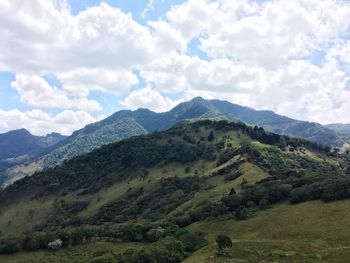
(79, 143)
(340, 127)
(166, 196)
(280, 124)
(143, 121)
(20, 145)
(22, 142)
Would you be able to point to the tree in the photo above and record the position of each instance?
(232, 191)
(211, 136)
(223, 242)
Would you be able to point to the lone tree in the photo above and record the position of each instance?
(223, 242)
(211, 136)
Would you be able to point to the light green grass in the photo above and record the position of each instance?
(23, 215)
(308, 232)
(77, 254)
(251, 174)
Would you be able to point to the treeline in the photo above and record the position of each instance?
(261, 196)
(168, 242)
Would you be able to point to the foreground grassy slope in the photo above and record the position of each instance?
(307, 232)
(94, 252)
(172, 192)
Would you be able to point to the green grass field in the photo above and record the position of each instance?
(77, 254)
(307, 232)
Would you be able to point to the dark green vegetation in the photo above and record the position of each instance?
(160, 190)
(124, 124)
(223, 242)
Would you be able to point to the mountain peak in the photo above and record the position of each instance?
(194, 108)
(198, 99)
(21, 131)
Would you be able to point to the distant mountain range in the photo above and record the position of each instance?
(339, 127)
(19, 146)
(34, 153)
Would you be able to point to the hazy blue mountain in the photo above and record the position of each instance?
(79, 143)
(280, 124)
(339, 127)
(20, 145)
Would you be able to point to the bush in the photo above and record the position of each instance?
(168, 250)
(10, 246)
(223, 242)
(193, 241)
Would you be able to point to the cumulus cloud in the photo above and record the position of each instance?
(35, 91)
(98, 49)
(268, 34)
(148, 98)
(83, 80)
(41, 123)
(37, 36)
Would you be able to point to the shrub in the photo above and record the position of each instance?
(193, 241)
(223, 242)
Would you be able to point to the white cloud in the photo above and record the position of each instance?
(148, 98)
(82, 80)
(38, 37)
(35, 91)
(150, 6)
(268, 34)
(98, 49)
(167, 39)
(41, 123)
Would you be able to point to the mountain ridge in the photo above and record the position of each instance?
(20, 145)
(197, 108)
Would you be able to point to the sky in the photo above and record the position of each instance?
(67, 63)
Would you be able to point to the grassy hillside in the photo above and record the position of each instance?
(307, 232)
(170, 193)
